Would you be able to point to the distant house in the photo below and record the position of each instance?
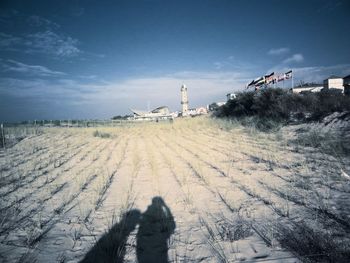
(346, 83)
(197, 111)
(230, 96)
(175, 114)
(334, 82)
(201, 110)
(308, 87)
(192, 112)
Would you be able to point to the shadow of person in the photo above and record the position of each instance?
(156, 226)
(111, 246)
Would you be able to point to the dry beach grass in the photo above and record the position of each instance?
(230, 194)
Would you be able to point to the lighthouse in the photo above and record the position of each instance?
(184, 100)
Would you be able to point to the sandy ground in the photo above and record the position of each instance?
(199, 192)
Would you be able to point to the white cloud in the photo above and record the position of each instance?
(46, 42)
(50, 90)
(49, 42)
(204, 88)
(7, 41)
(320, 73)
(315, 73)
(219, 65)
(38, 21)
(87, 98)
(295, 58)
(278, 51)
(88, 77)
(32, 70)
(225, 63)
(45, 39)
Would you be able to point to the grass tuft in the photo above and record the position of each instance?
(312, 245)
(100, 134)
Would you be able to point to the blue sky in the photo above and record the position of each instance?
(97, 59)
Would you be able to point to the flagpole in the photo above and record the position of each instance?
(292, 79)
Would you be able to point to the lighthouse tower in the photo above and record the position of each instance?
(184, 100)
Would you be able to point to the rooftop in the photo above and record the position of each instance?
(308, 85)
(334, 77)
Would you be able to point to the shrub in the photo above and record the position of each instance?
(242, 106)
(327, 141)
(279, 104)
(101, 134)
(312, 245)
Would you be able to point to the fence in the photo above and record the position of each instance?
(68, 123)
(13, 132)
(2, 134)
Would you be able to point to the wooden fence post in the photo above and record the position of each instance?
(2, 135)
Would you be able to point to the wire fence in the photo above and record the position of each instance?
(67, 123)
(10, 133)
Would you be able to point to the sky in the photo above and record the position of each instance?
(97, 59)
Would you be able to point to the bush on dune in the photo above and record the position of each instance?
(280, 105)
(101, 134)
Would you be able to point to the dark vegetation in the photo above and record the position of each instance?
(312, 246)
(100, 134)
(330, 142)
(280, 105)
(120, 117)
(269, 109)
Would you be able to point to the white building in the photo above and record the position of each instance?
(197, 111)
(230, 96)
(334, 82)
(307, 88)
(201, 110)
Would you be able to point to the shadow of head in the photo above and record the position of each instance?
(159, 207)
(111, 246)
